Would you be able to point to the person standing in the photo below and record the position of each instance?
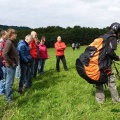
(60, 47)
(43, 55)
(25, 62)
(2, 44)
(10, 56)
(114, 30)
(34, 54)
(38, 51)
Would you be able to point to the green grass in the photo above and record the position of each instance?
(59, 96)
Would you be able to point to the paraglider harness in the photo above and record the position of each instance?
(117, 74)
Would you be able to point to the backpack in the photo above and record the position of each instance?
(94, 65)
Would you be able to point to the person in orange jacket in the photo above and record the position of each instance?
(60, 47)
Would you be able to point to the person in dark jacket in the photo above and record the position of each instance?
(25, 62)
(10, 56)
(112, 45)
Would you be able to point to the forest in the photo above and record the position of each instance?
(82, 35)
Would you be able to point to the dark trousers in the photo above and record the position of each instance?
(24, 77)
(62, 58)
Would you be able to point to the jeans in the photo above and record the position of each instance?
(17, 73)
(62, 58)
(41, 64)
(24, 77)
(2, 82)
(10, 74)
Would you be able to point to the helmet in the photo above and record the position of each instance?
(115, 27)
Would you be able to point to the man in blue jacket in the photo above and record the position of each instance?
(25, 62)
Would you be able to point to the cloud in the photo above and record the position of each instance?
(42, 13)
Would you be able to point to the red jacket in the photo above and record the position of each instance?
(60, 47)
(33, 50)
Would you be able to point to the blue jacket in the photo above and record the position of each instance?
(24, 52)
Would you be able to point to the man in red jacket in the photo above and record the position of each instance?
(34, 54)
(60, 47)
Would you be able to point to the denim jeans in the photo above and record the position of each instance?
(2, 82)
(24, 77)
(41, 64)
(17, 73)
(10, 74)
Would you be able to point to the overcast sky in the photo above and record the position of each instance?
(64, 13)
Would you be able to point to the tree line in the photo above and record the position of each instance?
(83, 35)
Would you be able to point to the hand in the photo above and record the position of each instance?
(28, 64)
(14, 64)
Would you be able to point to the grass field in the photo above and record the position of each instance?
(59, 96)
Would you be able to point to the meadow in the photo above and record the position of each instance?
(60, 95)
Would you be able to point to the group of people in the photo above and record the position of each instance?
(28, 57)
(75, 46)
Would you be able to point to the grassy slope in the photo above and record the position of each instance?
(59, 96)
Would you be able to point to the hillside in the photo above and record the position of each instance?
(4, 27)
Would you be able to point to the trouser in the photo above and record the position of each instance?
(10, 74)
(2, 82)
(62, 58)
(41, 64)
(100, 96)
(17, 73)
(24, 77)
(33, 68)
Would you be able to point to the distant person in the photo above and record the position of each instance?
(77, 45)
(25, 62)
(43, 55)
(73, 46)
(10, 56)
(2, 44)
(60, 47)
(34, 54)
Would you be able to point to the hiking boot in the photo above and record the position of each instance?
(57, 70)
(9, 101)
(20, 91)
(66, 69)
(116, 101)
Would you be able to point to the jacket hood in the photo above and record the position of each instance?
(21, 42)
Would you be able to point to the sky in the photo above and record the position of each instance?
(63, 13)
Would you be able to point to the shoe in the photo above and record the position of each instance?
(9, 101)
(116, 101)
(57, 70)
(66, 69)
(20, 91)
